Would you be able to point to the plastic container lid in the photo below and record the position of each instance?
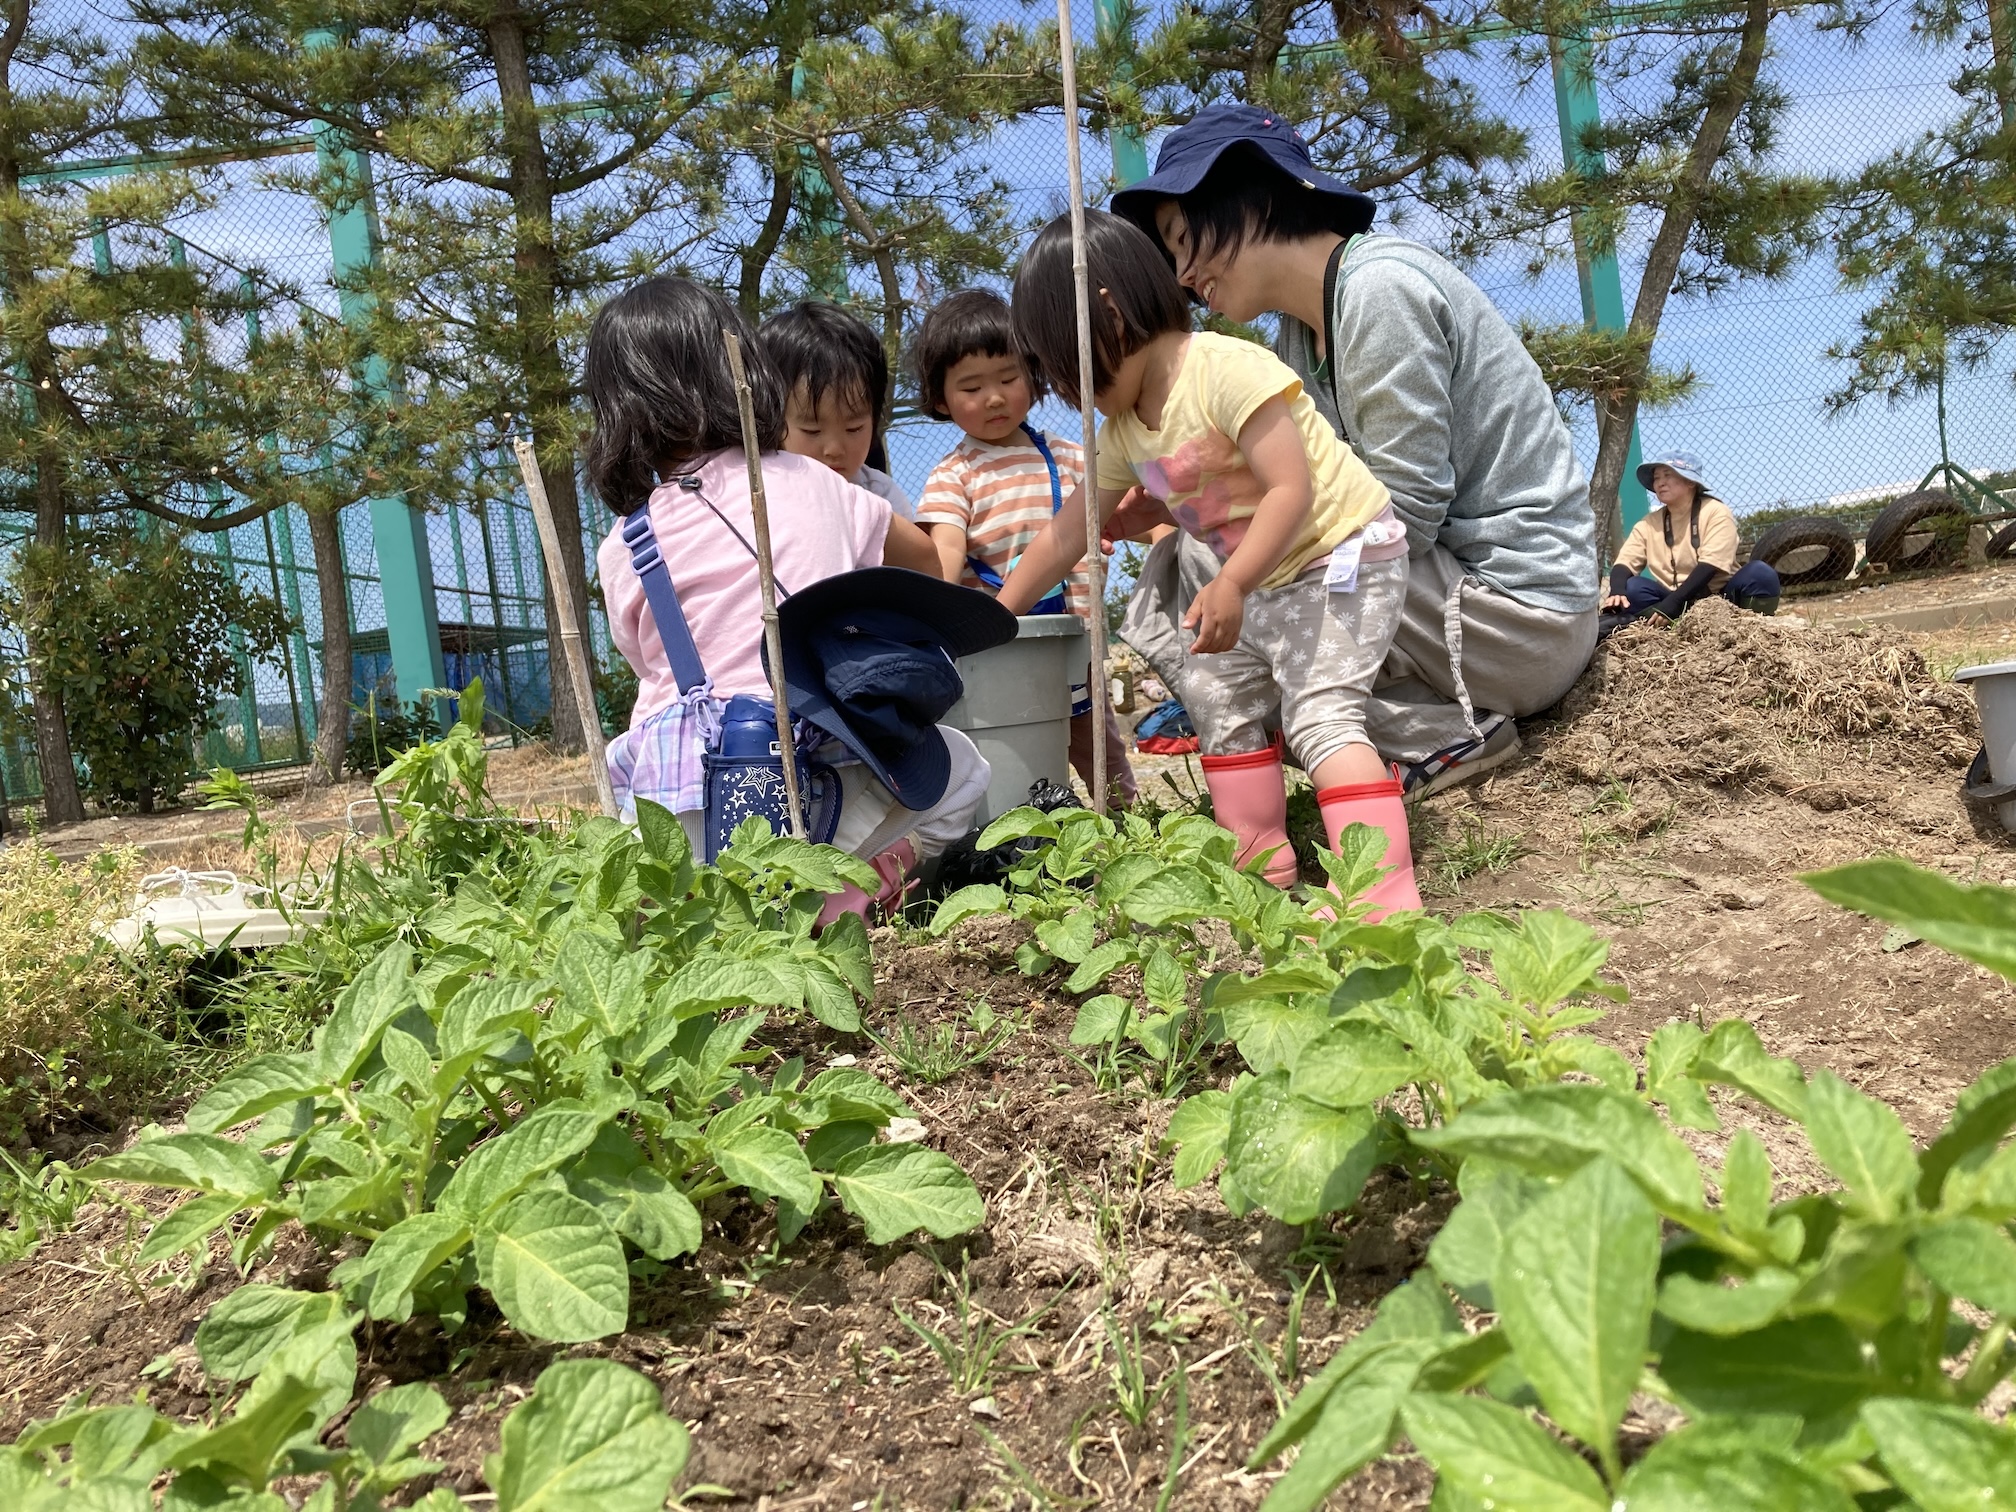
(208, 911)
(1030, 626)
(1986, 669)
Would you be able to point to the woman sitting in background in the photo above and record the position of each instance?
(1684, 550)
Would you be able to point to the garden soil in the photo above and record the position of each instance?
(1672, 802)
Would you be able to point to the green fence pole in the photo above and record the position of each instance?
(286, 574)
(1116, 28)
(1602, 289)
(398, 530)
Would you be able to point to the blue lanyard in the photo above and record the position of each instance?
(1053, 602)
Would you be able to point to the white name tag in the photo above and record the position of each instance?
(1343, 574)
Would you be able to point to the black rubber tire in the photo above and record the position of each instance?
(1919, 531)
(1815, 550)
(2001, 543)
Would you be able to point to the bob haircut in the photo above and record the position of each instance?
(1246, 197)
(825, 350)
(658, 383)
(1142, 299)
(971, 323)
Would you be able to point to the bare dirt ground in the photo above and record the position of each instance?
(1698, 772)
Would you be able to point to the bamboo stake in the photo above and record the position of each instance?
(571, 647)
(773, 638)
(1095, 559)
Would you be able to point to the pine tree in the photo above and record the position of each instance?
(1927, 229)
(1376, 85)
(1689, 167)
(522, 170)
(862, 155)
(140, 390)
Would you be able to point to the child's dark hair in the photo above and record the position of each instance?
(1142, 300)
(829, 351)
(658, 382)
(1246, 197)
(971, 323)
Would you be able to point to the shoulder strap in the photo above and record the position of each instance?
(663, 598)
(1056, 482)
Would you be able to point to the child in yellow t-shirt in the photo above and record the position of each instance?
(1313, 563)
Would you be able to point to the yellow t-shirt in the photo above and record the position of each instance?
(1193, 463)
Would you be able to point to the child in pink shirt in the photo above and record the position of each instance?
(668, 433)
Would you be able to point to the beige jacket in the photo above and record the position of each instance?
(1664, 542)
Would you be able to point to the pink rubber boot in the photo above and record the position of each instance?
(894, 867)
(1249, 797)
(1379, 805)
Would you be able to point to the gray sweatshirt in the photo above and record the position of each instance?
(1449, 411)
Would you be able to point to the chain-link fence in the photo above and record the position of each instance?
(1757, 412)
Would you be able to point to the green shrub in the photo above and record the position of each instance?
(146, 638)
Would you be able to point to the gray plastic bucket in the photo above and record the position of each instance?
(1995, 696)
(1017, 707)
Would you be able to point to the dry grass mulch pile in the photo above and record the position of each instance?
(1726, 698)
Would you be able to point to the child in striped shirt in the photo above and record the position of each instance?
(999, 487)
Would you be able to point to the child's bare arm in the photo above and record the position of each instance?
(949, 543)
(1274, 451)
(1059, 548)
(906, 545)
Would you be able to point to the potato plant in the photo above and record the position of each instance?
(1817, 1343)
(591, 1430)
(548, 1062)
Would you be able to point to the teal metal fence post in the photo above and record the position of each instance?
(398, 531)
(1602, 288)
(1116, 29)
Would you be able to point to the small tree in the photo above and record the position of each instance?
(1688, 166)
(137, 630)
(1927, 229)
(1377, 87)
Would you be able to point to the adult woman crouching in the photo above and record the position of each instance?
(1422, 375)
(1682, 551)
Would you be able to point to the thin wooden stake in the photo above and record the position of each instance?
(1095, 559)
(773, 638)
(571, 646)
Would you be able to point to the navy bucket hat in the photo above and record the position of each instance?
(1189, 152)
(868, 659)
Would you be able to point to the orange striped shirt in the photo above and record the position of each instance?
(1000, 496)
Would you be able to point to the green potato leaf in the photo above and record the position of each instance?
(1353, 1063)
(1574, 1286)
(1198, 1129)
(1488, 1450)
(1554, 1131)
(593, 1434)
(1946, 1459)
(258, 1086)
(555, 1267)
(897, 1189)
(1864, 1143)
(770, 1163)
(499, 1169)
(1297, 1158)
(198, 1162)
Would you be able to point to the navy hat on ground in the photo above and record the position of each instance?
(1188, 152)
(868, 659)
